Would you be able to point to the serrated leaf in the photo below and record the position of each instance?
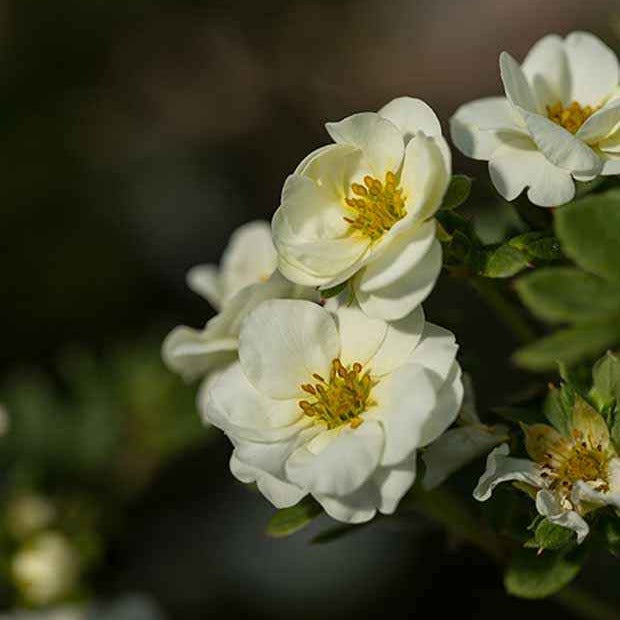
(570, 345)
(552, 537)
(564, 294)
(535, 576)
(335, 290)
(588, 230)
(538, 245)
(457, 193)
(290, 520)
(503, 262)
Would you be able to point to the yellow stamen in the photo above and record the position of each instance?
(377, 206)
(342, 398)
(571, 117)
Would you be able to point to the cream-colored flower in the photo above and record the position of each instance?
(559, 120)
(330, 402)
(362, 209)
(568, 476)
(458, 446)
(46, 569)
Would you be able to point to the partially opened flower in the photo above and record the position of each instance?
(569, 476)
(335, 404)
(362, 209)
(246, 277)
(559, 120)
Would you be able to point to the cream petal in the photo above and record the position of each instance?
(546, 69)
(449, 399)
(425, 175)
(548, 506)
(561, 147)
(515, 83)
(436, 351)
(583, 492)
(394, 482)
(206, 385)
(249, 258)
(395, 301)
(304, 163)
(611, 144)
(401, 339)
(411, 116)
(405, 400)
(281, 494)
(193, 353)
(379, 140)
(480, 127)
(518, 164)
(611, 167)
(343, 465)
(283, 342)
(237, 408)
(204, 281)
(354, 509)
(593, 68)
(401, 256)
(502, 468)
(360, 336)
(601, 124)
(456, 448)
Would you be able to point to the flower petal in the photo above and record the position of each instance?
(249, 258)
(204, 281)
(343, 465)
(456, 448)
(355, 508)
(546, 69)
(403, 254)
(548, 506)
(436, 351)
(405, 400)
(394, 482)
(583, 493)
(501, 468)
(281, 494)
(518, 164)
(401, 339)
(283, 342)
(516, 86)
(480, 127)
(379, 140)
(410, 116)
(601, 124)
(395, 301)
(593, 67)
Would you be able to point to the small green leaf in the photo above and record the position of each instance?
(538, 245)
(534, 576)
(606, 379)
(457, 193)
(569, 345)
(558, 408)
(588, 230)
(565, 294)
(553, 537)
(335, 290)
(290, 520)
(503, 262)
(615, 430)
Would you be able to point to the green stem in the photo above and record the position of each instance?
(455, 515)
(509, 313)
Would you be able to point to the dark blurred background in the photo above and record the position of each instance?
(135, 136)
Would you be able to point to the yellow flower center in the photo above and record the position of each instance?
(340, 399)
(377, 206)
(571, 117)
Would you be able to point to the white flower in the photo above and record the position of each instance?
(568, 476)
(248, 258)
(247, 277)
(460, 445)
(362, 209)
(46, 569)
(333, 403)
(559, 120)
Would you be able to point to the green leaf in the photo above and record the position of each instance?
(569, 345)
(538, 245)
(290, 520)
(606, 378)
(534, 576)
(565, 294)
(589, 229)
(335, 290)
(457, 193)
(614, 430)
(558, 408)
(503, 262)
(553, 537)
